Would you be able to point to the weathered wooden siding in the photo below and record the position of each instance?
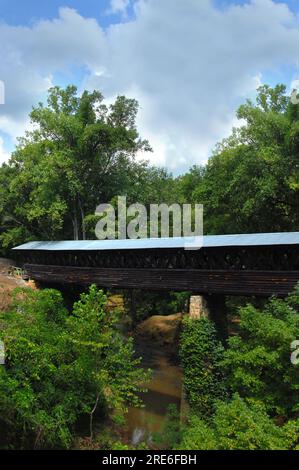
(260, 283)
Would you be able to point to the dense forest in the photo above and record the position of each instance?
(65, 365)
(82, 153)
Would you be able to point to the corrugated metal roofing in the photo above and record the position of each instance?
(209, 241)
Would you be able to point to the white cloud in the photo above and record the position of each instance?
(119, 6)
(4, 156)
(188, 63)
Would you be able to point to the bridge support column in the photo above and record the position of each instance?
(211, 307)
(198, 307)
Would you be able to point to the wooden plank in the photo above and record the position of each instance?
(260, 283)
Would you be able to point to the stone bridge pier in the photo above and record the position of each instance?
(212, 307)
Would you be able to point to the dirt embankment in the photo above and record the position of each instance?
(162, 330)
(8, 282)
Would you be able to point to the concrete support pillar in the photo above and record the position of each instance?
(198, 307)
(211, 307)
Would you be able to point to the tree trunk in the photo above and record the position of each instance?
(83, 228)
(75, 226)
(91, 418)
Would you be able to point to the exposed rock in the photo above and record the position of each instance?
(163, 330)
(116, 301)
(8, 283)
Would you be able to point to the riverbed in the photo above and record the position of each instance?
(164, 389)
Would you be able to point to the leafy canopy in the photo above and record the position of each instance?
(251, 182)
(238, 425)
(60, 367)
(201, 354)
(80, 153)
(258, 360)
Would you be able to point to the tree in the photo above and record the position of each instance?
(61, 367)
(260, 410)
(238, 425)
(80, 153)
(258, 360)
(251, 182)
(189, 182)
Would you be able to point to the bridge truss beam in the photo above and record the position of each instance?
(229, 282)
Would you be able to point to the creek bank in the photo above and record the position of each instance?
(156, 341)
(160, 330)
(9, 282)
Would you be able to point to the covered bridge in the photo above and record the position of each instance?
(250, 264)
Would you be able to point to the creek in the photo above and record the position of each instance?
(163, 389)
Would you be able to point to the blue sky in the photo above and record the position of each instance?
(292, 4)
(190, 63)
(16, 12)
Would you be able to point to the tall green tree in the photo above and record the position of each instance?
(239, 425)
(60, 367)
(258, 359)
(81, 153)
(251, 182)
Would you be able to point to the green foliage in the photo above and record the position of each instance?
(171, 434)
(257, 360)
(201, 354)
(187, 184)
(263, 414)
(238, 425)
(251, 182)
(141, 304)
(61, 367)
(81, 153)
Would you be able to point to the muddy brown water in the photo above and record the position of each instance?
(164, 389)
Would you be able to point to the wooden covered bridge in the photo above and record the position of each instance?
(255, 264)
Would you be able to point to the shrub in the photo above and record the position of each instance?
(257, 361)
(201, 354)
(171, 434)
(60, 367)
(142, 304)
(238, 425)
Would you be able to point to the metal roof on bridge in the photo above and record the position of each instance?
(208, 241)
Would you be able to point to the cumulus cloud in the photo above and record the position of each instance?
(4, 156)
(188, 63)
(119, 6)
